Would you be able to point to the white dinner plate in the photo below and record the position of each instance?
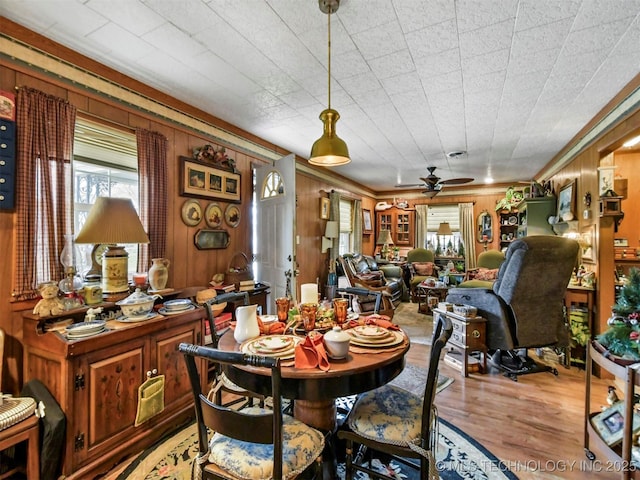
(273, 343)
(85, 327)
(137, 319)
(370, 331)
(250, 347)
(164, 311)
(396, 338)
(178, 304)
(268, 318)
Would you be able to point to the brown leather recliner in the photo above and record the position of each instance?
(359, 273)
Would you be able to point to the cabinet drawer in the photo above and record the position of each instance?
(7, 130)
(7, 147)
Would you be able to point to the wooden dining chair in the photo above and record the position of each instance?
(220, 382)
(254, 442)
(395, 422)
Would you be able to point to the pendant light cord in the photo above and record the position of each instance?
(329, 56)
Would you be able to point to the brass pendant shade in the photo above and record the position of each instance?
(329, 150)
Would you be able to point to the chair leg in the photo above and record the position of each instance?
(348, 465)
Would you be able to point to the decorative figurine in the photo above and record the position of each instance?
(50, 303)
(612, 397)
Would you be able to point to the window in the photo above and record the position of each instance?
(443, 245)
(346, 226)
(105, 165)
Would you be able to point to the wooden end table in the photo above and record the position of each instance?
(469, 335)
(425, 292)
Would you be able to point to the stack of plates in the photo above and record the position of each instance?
(85, 329)
(141, 318)
(179, 305)
(279, 346)
(374, 337)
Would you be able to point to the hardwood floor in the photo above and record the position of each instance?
(534, 425)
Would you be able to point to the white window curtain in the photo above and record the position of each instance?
(357, 226)
(467, 233)
(422, 213)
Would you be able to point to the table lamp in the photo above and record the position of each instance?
(112, 221)
(384, 239)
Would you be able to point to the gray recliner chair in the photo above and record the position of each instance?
(525, 307)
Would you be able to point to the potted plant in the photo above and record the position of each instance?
(511, 198)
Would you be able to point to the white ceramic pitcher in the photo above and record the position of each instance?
(246, 323)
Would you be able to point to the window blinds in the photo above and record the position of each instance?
(443, 213)
(346, 225)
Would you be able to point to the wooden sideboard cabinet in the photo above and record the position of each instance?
(95, 380)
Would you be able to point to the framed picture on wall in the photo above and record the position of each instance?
(367, 225)
(324, 208)
(201, 180)
(566, 202)
(588, 244)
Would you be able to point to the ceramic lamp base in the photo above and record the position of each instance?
(115, 267)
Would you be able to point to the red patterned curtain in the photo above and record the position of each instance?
(44, 196)
(152, 179)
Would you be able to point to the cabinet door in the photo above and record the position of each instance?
(168, 361)
(385, 222)
(404, 228)
(106, 398)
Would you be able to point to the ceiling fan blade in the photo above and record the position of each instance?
(456, 181)
(409, 185)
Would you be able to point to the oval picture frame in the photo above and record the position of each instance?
(213, 215)
(232, 216)
(191, 212)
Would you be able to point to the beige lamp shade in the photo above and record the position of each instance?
(112, 220)
(331, 230)
(444, 229)
(384, 238)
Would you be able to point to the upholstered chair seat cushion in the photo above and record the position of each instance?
(301, 446)
(388, 414)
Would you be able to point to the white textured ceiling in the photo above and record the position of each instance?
(508, 81)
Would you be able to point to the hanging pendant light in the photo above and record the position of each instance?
(329, 150)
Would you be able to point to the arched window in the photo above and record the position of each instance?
(273, 185)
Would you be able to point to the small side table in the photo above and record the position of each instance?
(424, 293)
(469, 335)
(26, 430)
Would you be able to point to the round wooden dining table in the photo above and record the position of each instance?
(314, 391)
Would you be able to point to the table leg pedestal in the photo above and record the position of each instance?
(320, 414)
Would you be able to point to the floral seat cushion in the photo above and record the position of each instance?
(301, 446)
(388, 414)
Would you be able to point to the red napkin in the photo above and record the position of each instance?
(272, 328)
(311, 353)
(379, 320)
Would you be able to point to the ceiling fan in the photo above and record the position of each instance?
(433, 184)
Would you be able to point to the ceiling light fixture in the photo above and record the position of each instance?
(329, 150)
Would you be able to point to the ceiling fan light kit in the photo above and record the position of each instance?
(329, 150)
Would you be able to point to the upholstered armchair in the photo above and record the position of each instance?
(486, 271)
(525, 307)
(421, 265)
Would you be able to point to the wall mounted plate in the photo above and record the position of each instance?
(191, 213)
(232, 216)
(213, 215)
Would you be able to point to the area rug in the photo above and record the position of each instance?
(458, 457)
(417, 325)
